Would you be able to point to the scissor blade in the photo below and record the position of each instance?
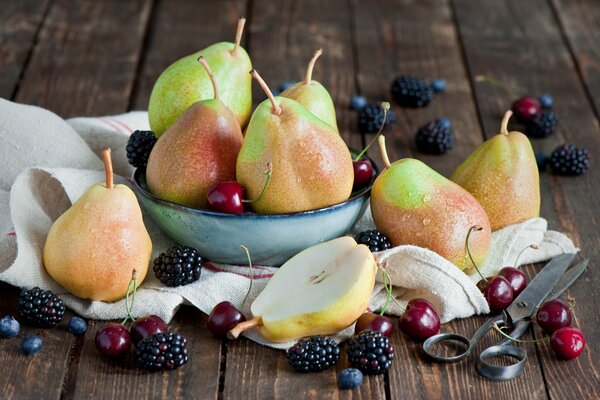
(568, 279)
(525, 305)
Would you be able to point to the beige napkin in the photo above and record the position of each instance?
(48, 163)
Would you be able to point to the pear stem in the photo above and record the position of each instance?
(251, 273)
(276, 109)
(244, 326)
(106, 156)
(471, 229)
(386, 106)
(268, 173)
(384, 155)
(238, 35)
(531, 246)
(504, 125)
(202, 61)
(311, 65)
(511, 91)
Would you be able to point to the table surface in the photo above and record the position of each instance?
(102, 57)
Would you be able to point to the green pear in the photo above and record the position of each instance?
(199, 150)
(93, 247)
(414, 205)
(183, 84)
(311, 164)
(503, 176)
(312, 95)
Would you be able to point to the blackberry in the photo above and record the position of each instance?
(409, 91)
(569, 160)
(375, 240)
(370, 352)
(163, 351)
(138, 148)
(178, 266)
(435, 138)
(370, 118)
(313, 354)
(542, 126)
(40, 307)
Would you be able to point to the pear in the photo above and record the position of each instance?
(93, 247)
(312, 166)
(503, 175)
(183, 83)
(312, 95)
(319, 291)
(199, 150)
(414, 205)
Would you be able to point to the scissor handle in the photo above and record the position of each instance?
(501, 372)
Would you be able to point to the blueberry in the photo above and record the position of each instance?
(275, 92)
(444, 122)
(541, 159)
(438, 85)
(77, 325)
(285, 85)
(9, 327)
(31, 345)
(546, 100)
(350, 378)
(358, 102)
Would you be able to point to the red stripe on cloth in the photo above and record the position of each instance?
(11, 234)
(214, 268)
(113, 125)
(123, 124)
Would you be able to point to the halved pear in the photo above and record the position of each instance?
(319, 291)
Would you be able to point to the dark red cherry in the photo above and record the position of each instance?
(515, 277)
(553, 315)
(223, 318)
(147, 326)
(374, 322)
(499, 294)
(420, 320)
(226, 197)
(112, 340)
(526, 108)
(567, 343)
(363, 173)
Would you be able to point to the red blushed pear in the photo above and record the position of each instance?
(414, 205)
(199, 150)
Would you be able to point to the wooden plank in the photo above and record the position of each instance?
(520, 43)
(86, 58)
(19, 23)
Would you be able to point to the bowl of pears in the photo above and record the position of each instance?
(285, 182)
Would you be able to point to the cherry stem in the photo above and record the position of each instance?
(531, 246)
(471, 229)
(504, 124)
(388, 288)
(128, 305)
(276, 109)
(238, 35)
(106, 156)
(497, 328)
(268, 173)
(384, 155)
(511, 91)
(244, 326)
(385, 106)
(202, 61)
(251, 275)
(311, 65)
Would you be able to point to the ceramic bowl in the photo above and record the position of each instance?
(271, 238)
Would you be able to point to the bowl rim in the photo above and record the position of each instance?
(146, 193)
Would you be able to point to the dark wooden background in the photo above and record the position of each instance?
(102, 57)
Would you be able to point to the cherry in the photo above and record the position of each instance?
(567, 343)
(147, 326)
(499, 293)
(363, 173)
(374, 322)
(112, 339)
(420, 320)
(526, 108)
(553, 315)
(226, 197)
(223, 318)
(483, 284)
(515, 277)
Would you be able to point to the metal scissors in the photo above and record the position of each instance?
(548, 284)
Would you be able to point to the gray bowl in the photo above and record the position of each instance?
(271, 238)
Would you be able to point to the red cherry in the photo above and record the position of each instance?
(223, 318)
(499, 294)
(526, 108)
(483, 284)
(515, 277)
(420, 320)
(374, 322)
(567, 343)
(226, 197)
(363, 173)
(112, 340)
(553, 315)
(147, 326)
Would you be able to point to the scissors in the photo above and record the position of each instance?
(548, 284)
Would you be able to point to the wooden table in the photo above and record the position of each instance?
(102, 57)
